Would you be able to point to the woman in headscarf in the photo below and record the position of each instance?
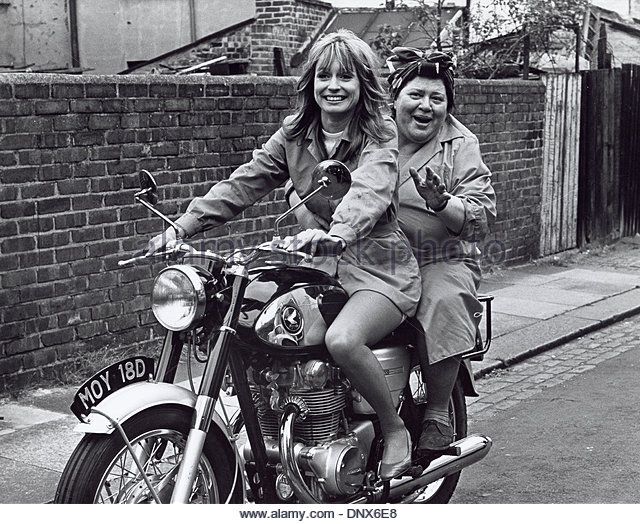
(446, 199)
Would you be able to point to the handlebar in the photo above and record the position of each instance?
(176, 248)
(275, 246)
(173, 248)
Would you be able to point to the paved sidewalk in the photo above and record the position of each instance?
(542, 305)
(537, 307)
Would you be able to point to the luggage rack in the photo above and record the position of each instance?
(479, 350)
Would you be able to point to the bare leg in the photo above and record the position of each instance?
(366, 318)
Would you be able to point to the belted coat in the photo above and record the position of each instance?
(377, 256)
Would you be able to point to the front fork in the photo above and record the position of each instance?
(209, 391)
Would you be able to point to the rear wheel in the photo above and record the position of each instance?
(441, 491)
(101, 469)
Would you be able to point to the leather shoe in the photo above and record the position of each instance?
(435, 436)
(390, 471)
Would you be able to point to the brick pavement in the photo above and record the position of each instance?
(504, 389)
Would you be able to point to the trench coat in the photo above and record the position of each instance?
(377, 255)
(449, 311)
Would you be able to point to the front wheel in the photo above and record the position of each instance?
(101, 469)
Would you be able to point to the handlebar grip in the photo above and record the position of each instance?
(324, 249)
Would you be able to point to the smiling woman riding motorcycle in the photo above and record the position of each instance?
(339, 117)
(446, 199)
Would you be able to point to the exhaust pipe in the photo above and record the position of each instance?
(292, 410)
(472, 449)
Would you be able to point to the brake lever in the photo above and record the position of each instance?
(173, 247)
(133, 260)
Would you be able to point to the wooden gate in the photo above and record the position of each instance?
(600, 148)
(560, 163)
(630, 154)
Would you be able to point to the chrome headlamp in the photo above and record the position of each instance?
(178, 298)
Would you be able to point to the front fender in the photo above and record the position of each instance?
(131, 400)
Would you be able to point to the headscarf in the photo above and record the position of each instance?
(408, 62)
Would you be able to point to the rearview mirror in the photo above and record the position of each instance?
(148, 187)
(148, 197)
(333, 177)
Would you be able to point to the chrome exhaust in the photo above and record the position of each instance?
(472, 449)
(292, 410)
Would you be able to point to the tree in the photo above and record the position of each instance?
(488, 36)
(387, 38)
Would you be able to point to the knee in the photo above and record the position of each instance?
(341, 345)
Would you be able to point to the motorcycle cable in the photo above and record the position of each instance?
(234, 438)
(190, 352)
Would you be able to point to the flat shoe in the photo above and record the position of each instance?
(390, 471)
(435, 436)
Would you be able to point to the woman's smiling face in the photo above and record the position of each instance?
(421, 109)
(336, 90)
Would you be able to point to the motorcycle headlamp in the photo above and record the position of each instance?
(178, 298)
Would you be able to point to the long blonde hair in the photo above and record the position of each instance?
(353, 55)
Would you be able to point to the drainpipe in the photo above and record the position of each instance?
(73, 33)
(192, 19)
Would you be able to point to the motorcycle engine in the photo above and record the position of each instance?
(326, 445)
(316, 383)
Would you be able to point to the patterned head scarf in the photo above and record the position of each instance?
(408, 62)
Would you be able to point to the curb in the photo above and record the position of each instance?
(536, 350)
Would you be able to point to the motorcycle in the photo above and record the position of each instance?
(256, 318)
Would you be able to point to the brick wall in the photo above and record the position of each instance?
(70, 148)
(286, 24)
(507, 116)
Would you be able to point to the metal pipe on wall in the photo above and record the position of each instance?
(73, 33)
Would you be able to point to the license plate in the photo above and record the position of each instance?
(109, 380)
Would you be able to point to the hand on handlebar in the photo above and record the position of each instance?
(161, 240)
(312, 240)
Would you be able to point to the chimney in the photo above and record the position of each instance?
(390, 5)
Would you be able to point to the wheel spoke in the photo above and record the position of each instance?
(104, 471)
(161, 468)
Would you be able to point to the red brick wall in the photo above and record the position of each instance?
(70, 148)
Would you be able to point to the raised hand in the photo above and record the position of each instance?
(431, 188)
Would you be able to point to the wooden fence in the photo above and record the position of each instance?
(600, 152)
(559, 194)
(630, 154)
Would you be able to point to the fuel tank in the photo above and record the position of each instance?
(287, 310)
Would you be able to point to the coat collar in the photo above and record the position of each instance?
(423, 156)
(312, 140)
